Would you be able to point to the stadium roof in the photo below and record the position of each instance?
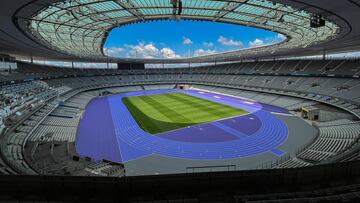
(77, 29)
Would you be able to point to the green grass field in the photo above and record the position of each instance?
(164, 112)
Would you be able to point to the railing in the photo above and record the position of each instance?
(354, 148)
(307, 145)
(196, 169)
(273, 163)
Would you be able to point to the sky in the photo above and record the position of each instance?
(179, 39)
(171, 39)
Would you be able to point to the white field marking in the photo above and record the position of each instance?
(217, 97)
(223, 94)
(283, 114)
(246, 102)
(196, 125)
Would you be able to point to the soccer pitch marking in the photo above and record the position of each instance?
(160, 113)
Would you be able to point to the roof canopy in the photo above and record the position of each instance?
(80, 27)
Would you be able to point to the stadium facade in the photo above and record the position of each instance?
(291, 126)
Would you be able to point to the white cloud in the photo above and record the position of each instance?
(168, 53)
(202, 52)
(208, 44)
(187, 41)
(229, 42)
(113, 51)
(267, 41)
(149, 50)
(281, 37)
(256, 43)
(143, 50)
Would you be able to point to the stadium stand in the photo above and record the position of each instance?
(43, 106)
(57, 122)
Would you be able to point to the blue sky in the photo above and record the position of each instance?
(172, 39)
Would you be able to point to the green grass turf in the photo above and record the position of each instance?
(164, 112)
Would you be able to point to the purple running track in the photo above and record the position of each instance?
(108, 131)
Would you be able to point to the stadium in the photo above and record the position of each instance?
(276, 119)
